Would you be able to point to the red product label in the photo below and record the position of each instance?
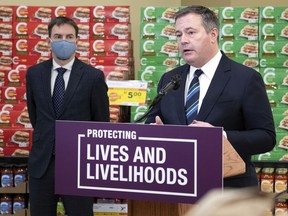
(114, 72)
(31, 47)
(111, 60)
(78, 14)
(15, 141)
(25, 13)
(11, 94)
(16, 76)
(110, 48)
(28, 60)
(29, 30)
(104, 30)
(9, 107)
(110, 14)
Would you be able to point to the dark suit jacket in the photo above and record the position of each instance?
(237, 101)
(85, 100)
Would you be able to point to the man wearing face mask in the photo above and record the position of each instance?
(62, 88)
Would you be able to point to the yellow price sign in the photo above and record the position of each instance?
(128, 92)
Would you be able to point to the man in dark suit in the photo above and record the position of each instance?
(85, 99)
(232, 95)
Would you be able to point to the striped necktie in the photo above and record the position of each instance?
(192, 99)
(59, 91)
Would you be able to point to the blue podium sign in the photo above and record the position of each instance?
(166, 163)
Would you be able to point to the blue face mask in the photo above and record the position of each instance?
(63, 49)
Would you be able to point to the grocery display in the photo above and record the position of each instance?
(104, 43)
(254, 36)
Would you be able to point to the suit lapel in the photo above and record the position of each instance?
(216, 87)
(46, 79)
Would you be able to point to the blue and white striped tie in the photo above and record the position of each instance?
(192, 99)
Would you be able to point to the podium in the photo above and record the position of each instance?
(232, 165)
(159, 168)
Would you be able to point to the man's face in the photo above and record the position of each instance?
(196, 46)
(63, 32)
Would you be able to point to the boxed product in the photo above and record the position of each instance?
(80, 14)
(114, 72)
(274, 62)
(16, 76)
(111, 60)
(157, 30)
(136, 114)
(151, 94)
(115, 209)
(9, 107)
(273, 31)
(5, 61)
(83, 30)
(30, 30)
(239, 48)
(3, 71)
(6, 14)
(115, 113)
(110, 14)
(84, 59)
(22, 59)
(280, 110)
(110, 48)
(106, 30)
(20, 119)
(163, 47)
(239, 31)
(281, 123)
(275, 77)
(158, 14)
(13, 94)
(282, 141)
(273, 48)
(249, 62)
(15, 141)
(277, 97)
(6, 47)
(273, 14)
(25, 13)
(15, 118)
(238, 14)
(159, 60)
(83, 48)
(152, 78)
(31, 48)
(5, 30)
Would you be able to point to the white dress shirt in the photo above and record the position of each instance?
(205, 79)
(66, 75)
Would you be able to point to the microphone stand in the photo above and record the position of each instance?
(173, 84)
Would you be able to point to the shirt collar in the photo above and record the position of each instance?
(210, 67)
(68, 66)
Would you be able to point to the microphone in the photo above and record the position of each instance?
(173, 84)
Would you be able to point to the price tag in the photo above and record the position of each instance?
(127, 92)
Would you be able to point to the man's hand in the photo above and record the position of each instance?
(158, 121)
(200, 124)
